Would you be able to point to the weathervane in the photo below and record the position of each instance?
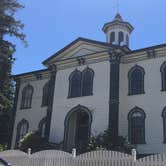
(117, 5)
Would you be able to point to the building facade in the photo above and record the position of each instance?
(90, 86)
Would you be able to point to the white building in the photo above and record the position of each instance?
(90, 86)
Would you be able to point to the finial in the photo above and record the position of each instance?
(118, 17)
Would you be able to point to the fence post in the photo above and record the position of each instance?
(134, 154)
(74, 152)
(29, 151)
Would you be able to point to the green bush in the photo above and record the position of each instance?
(34, 141)
(3, 147)
(106, 141)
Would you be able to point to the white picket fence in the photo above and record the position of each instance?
(95, 158)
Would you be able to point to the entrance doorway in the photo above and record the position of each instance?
(77, 128)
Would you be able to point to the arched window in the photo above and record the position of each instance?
(81, 84)
(136, 80)
(42, 127)
(27, 93)
(163, 76)
(87, 82)
(121, 38)
(136, 122)
(75, 84)
(112, 37)
(22, 129)
(45, 97)
(164, 123)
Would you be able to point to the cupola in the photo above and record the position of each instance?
(118, 31)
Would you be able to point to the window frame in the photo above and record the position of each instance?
(130, 114)
(40, 127)
(130, 90)
(27, 98)
(19, 126)
(70, 93)
(82, 75)
(112, 37)
(164, 124)
(84, 85)
(163, 76)
(121, 38)
(45, 96)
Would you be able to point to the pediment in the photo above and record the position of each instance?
(80, 47)
(81, 50)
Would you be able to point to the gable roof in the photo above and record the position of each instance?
(80, 39)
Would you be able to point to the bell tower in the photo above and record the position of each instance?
(118, 31)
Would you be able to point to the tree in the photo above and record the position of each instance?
(9, 27)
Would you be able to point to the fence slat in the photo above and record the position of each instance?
(95, 158)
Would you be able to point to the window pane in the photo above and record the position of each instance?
(75, 85)
(45, 97)
(112, 37)
(27, 97)
(164, 78)
(136, 81)
(137, 127)
(121, 38)
(87, 83)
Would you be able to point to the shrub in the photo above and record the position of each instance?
(34, 141)
(3, 147)
(106, 141)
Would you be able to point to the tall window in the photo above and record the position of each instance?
(136, 80)
(22, 129)
(136, 122)
(121, 38)
(42, 127)
(163, 76)
(45, 98)
(87, 82)
(75, 84)
(164, 123)
(81, 83)
(112, 37)
(27, 93)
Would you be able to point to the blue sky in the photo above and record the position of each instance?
(50, 25)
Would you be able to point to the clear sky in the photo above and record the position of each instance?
(52, 24)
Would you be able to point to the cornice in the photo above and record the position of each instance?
(90, 59)
(32, 76)
(145, 54)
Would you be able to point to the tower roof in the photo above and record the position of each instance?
(117, 21)
(118, 17)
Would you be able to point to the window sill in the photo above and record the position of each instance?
(44, 105)
(69, 97)
(143, 143)
(133, 94)
(24, 108)
(163, 90)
